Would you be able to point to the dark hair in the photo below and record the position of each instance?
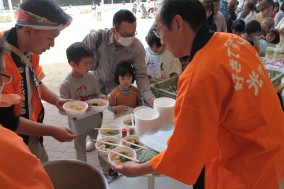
(250, 40)
(77, 51)
(238, 25)
(265, 4)
(192, 11)
(250, 6)
(282, 7)
(152, 39)
(123, 15)
(252, 26)
(232, 4)
(47, 9)
(123, 69)
(209, 6)
(276, 34)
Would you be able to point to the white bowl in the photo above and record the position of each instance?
(103, 148)
(75, 108)
(126, 122)
(165, 106)
(114, 158)
(139, 108)
(133, 139)
(146, 119)
(112, 130)
(98, 104)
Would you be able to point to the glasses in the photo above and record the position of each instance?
(4, 79)
(156, 31)
(126, 36)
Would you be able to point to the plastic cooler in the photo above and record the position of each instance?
(166, 88)
(275, 76)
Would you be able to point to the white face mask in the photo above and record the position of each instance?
(124, 41)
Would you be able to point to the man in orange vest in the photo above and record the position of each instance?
(39, 23)
(227, 114)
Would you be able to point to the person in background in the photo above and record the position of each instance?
(224, 9)
(248, 13)
(161, 64)
(93, 7)
(251, 30)
(38, 24)
(275, 10)
(279, 15)
(280, 28)
(271, 39)
(263, 17)
(232, 9)
(81, 85)
(235, 131)
(99, 12)
(125, 95)
(116, 45)
(209, 8)
(19, 167)
(219, 18)
(238, 27)
(134, 8)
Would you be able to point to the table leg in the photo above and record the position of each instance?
(151, 182)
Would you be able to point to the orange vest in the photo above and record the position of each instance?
(227, 116)
(14, 87)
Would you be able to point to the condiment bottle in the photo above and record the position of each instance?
(124, 132)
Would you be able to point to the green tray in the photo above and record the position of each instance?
(275, 76)
(166, 88)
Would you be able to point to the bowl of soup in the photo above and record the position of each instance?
(105, 144)
(75, 108)
(110, 130)
(98, 104)
(116, 159)
(131, 141)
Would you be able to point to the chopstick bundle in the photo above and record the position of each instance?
(137, 145)
(131, 158)
(104, 128)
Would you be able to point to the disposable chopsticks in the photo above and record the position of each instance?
(131, 158)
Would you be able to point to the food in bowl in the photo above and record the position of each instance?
(116, 159)
(75, 108)
(103, 148)
(134, 139)
(98, 104)
(110, 130)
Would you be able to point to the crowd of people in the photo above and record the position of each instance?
(227, 134)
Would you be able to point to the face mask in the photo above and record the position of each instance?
(125, 41)
(7, 100)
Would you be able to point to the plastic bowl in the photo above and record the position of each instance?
(146, 119)
(134, 139)
(75, 108)
(110, 130)
(126, 122)
(98, 104)
(103, 148)
(115, 160)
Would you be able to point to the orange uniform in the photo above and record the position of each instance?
(20, 169)
(227, 117)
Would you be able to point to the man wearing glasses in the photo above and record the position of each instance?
(34, 33)
(116, 45)
(223, 120)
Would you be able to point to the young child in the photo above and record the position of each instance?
(161, 64)
(270, 40)
(125, 95)
(238, 27)
(252, 28)
(82, 85)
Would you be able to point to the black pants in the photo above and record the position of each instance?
(200, 181)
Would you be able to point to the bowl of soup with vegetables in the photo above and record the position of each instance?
(110, 130)
(118, 159)
(75, 108)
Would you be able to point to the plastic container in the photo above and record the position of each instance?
(269, 54)
(167, 88)
(275, 76)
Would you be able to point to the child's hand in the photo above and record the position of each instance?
(120, 109)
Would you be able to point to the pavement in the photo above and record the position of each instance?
(65, 150)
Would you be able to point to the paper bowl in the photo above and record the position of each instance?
(139, 108)
(111, 131)
(145, 120)
(98, 104)
(134, 139)
(103, 148)
(126, 123)
(75, 108)
(114, 158)
(165, 106)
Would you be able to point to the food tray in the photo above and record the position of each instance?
(275, 76)
(166, 88)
